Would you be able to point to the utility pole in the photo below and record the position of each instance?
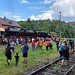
(60, 24)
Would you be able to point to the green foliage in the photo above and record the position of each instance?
(35, 58)
(57, 69)
(45, 25)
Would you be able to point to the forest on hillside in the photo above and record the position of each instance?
(67, 29)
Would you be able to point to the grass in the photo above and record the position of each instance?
(57, 69)
(35, 58)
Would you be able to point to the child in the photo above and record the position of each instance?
(17, 58)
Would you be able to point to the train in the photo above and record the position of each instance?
(25, 33)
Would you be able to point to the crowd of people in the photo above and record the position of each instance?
(65, 48)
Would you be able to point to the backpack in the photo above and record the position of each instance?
(7, 52)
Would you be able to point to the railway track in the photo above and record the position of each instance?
(55, 67)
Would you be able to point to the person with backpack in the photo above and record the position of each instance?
(65, 54)
(8, 52)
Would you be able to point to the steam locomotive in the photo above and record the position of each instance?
(24, 33)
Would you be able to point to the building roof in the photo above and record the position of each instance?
(8, 22)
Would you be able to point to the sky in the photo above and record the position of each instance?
(38, 9)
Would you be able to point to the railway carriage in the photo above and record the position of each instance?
(25, 33)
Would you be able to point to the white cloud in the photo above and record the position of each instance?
(46, 2)
(44, 11)
(20, 20)
(34, 7)
(24, 1)
(47, 15)
(14, 16)
(10, 14)
(67, 8)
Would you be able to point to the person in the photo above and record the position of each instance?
(17, 58)
(41, 44)
(0, 41)
(17, 41)
(37, 43)
(50, 45)
(74, 48)
(60, 48)
(70, 51)
(14, 40)
(23, 40)
(33, 45)
(57, 43)
(71, 43)
(12, 44)
(47, 44)
(8, 52)
(25, 48)
(65, 54)
(65, 40)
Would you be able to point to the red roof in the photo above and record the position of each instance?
(8, 22)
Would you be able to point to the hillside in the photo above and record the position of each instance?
(72, 23)
(67, 29)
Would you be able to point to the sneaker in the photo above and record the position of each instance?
(62, 65)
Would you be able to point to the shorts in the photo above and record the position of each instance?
(63, 58)
(12, 49)
(25, 54)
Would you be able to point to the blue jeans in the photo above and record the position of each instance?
(41, 47)
(12, 49)
(33, 48)
(16, 63)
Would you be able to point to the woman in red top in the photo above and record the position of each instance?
(33, 45)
